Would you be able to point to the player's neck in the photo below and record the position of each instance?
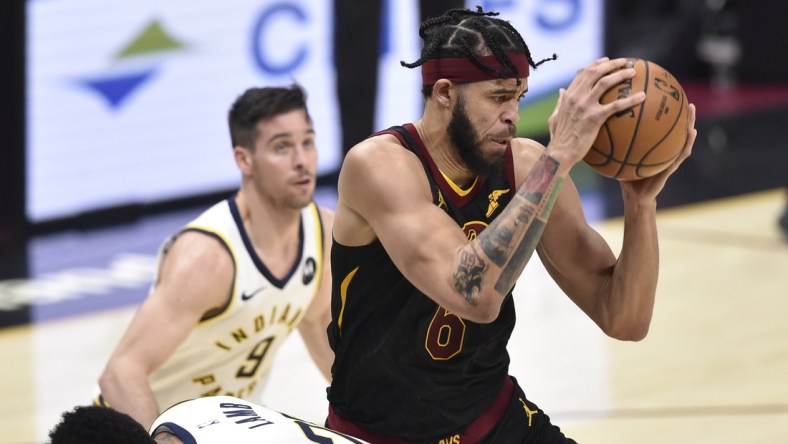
(273, 232)
(276, 228)
(435, 137)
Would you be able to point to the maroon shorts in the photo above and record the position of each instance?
(510, 419)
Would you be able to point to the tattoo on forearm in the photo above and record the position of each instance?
(497, 239)
(525, 249)
(468, 277)
(539, 179)
(520, 257)
(525, 215)
(496, 244)
(510, 241)
(530, 209)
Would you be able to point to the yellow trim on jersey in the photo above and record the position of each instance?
(343, 295)
(457, 189)
(235, 269)
(320, 247)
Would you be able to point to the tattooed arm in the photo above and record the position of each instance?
(384, 195)
(426, 245)
(511, 239)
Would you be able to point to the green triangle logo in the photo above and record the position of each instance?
(152, 40)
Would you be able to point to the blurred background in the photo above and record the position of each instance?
(114, 130)
(116, 112)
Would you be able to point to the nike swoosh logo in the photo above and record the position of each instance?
(246, 296)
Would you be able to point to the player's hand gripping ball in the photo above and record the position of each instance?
(644, 140)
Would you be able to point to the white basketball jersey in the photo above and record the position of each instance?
(231, 353)
(224, 419)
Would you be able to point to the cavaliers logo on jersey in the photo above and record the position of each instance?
(310, 269)
(473, 228)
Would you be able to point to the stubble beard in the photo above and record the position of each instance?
(299, 201)
(288, 200)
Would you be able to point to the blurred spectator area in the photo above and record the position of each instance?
(732, 59)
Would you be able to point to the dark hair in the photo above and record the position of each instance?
(471, 34)
(91, 424)
(259, 103)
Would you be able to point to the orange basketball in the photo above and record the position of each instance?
(644, 140)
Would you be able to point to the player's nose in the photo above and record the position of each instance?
(511, 112)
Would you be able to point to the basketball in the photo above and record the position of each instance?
(644, 140)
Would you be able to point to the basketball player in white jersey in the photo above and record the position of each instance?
(210, 420)
(233, 283)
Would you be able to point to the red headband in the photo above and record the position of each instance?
(463, 70)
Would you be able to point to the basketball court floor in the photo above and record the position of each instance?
(713, 369)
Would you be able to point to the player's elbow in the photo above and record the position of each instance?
(634, 336)
(110, 377)
(118, 373)
(630, 331)
(485, 310)
(640, 332)
(107, 381)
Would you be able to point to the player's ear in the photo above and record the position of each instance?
(243, 159)
(443, 91)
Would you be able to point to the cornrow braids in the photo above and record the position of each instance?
(472, 34)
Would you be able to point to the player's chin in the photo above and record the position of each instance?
(301, 199)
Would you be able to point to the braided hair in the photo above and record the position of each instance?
(471, 34)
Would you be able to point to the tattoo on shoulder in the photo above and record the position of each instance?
(468, 277)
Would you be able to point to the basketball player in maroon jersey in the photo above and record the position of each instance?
(437, 219)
